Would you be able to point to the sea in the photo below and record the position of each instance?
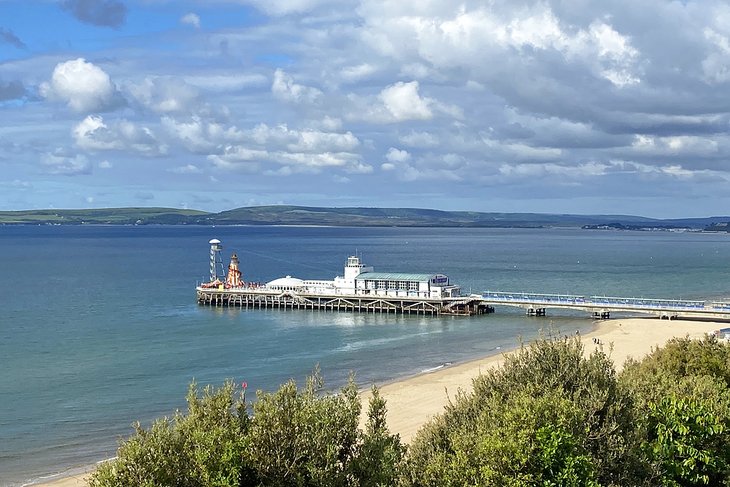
(99, 325)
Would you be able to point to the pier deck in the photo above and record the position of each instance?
(264, 298)
(475, 304)
(603, 306)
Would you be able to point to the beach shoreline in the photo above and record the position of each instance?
(414, 400)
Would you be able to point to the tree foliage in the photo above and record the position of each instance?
(552, 415)
(688, 442)
(201, 448)
(549, 416)
(300, 438)
(293, 438)
(682, 395)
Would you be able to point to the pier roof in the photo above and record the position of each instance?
(393, 276)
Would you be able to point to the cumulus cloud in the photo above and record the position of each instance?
(287, 151)
(387, 166)
(93, 134)
(264, 147)
(677, 145)
(82, 85)
(307, 140)
(59, 162)
(397, 155)
(8, 37)
(419, 139)
(404, 102)
(284, 88)
(105, 13)
(358, 72)
(498, 95)
(191, 19)
(716, 65)
(165, 95)
(399, 102)
(199, 135)
(186, 169)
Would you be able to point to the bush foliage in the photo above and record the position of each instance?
(552, 415)
(292, 437)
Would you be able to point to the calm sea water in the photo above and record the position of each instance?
(99, 326)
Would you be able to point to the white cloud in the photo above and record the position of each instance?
(82, 85)
(165, 94)
(526, 170)
(58, 162)
(191, 19)
(307, 140)
(675, 145)
(199, 135)
(358, 72)
(186, 169)
(284, 88)
(397, 155)
(404, 102)
(419, 139)
(474, 37)
(716, 65)
(105, 165)
(87, 131)
(93, 134)
(330, 123)
(399, 102)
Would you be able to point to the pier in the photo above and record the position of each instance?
(361, 289)
(601, 307)
(259, 298)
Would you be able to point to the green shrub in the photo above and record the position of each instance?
(201, 448)
(688, 442)
(548, 416)
(294, 438)
(681, 393)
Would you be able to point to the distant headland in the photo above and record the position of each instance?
(355, 216)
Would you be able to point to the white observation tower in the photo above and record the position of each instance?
(215, 259)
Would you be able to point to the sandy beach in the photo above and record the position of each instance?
(412, 401)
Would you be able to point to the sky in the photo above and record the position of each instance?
(572, 106)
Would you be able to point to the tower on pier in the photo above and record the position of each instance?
(233, 278)
(216, 261)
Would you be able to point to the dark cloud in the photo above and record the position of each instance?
(8, 36)
(105, 13)
(11, 90)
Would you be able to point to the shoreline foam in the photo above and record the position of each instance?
(412, 401)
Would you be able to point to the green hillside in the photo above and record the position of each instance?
(354, 216)
(102, 216)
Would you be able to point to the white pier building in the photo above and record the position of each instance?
(359, 280)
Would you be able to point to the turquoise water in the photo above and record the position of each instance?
(99, 325)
